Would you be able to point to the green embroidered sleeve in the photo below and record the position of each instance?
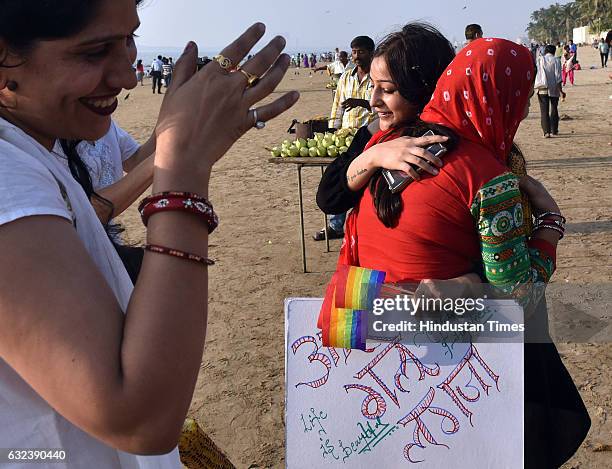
(518, 267)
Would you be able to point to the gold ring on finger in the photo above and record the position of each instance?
(225, 63)
(252, 79)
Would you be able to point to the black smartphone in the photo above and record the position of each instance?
(398, 180)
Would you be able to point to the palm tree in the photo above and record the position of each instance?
(595, 13)
(553, 23)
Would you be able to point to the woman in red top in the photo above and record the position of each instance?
(140, 72)
(470, 213)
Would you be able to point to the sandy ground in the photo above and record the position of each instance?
(240, 391)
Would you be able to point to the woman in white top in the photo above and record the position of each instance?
(88, 363)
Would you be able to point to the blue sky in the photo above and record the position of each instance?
(323, 24)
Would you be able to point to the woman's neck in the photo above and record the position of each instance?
(45, 141)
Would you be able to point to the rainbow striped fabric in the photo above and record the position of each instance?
(343, 319)
(357, 287)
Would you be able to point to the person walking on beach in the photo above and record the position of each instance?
(559, 51)
(549, 87)
(567, 67)
(573, 49)
(351, 109)
(604, 48)
(166, 72)
(473, 32)
(313, 60)
(140, 72)
(156, 74)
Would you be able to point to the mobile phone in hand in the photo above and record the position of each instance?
(398, 180)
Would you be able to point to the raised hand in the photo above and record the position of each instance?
(205, 112)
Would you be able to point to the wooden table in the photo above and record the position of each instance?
(299, 163)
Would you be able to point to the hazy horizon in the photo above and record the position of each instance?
(320, 25)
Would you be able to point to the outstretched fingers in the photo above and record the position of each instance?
(238, 49)
(275, 108)
(184, 68)
(269, 81)
(260, 63)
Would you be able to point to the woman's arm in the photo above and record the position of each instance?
(128, 379)
(124, 193)
(398, 154)
(513, 263)
(342, 184)
(333, 193)
(145, 151)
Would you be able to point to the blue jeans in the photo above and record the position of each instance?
(336, 222)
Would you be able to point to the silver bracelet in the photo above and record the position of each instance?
(546, 214)
(550, 227)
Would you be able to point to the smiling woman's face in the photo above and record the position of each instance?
(392, 108)
(67, 88)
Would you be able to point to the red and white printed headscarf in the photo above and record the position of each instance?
(483, 93)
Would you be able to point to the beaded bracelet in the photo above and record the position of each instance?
(179, 201)
(548, 214)
(180, 254)
(551, 221)
(561, 231)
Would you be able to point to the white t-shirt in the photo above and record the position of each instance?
(156, 65)
(104, 158)
(33, 181)
(337, 67)
(552, 68)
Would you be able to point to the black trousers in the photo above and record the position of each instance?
(556, 419)
(157, 81)
(604, 59)
(549, 113)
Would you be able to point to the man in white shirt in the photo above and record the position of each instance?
(156, 73)
(548, 95)
(336, 68)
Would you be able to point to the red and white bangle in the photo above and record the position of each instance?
(179, 201)
(552, 221)
(178, 253)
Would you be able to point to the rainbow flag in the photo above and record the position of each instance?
(345, 328)
(343, 319)
(357, 287)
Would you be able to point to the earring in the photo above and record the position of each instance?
(11, 85)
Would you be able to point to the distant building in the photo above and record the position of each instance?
(584, 36)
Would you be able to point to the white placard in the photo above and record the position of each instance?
(447, 406)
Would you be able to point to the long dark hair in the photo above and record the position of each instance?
(416, 56)
(388, 205)
(25, 22)
(80, 173)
